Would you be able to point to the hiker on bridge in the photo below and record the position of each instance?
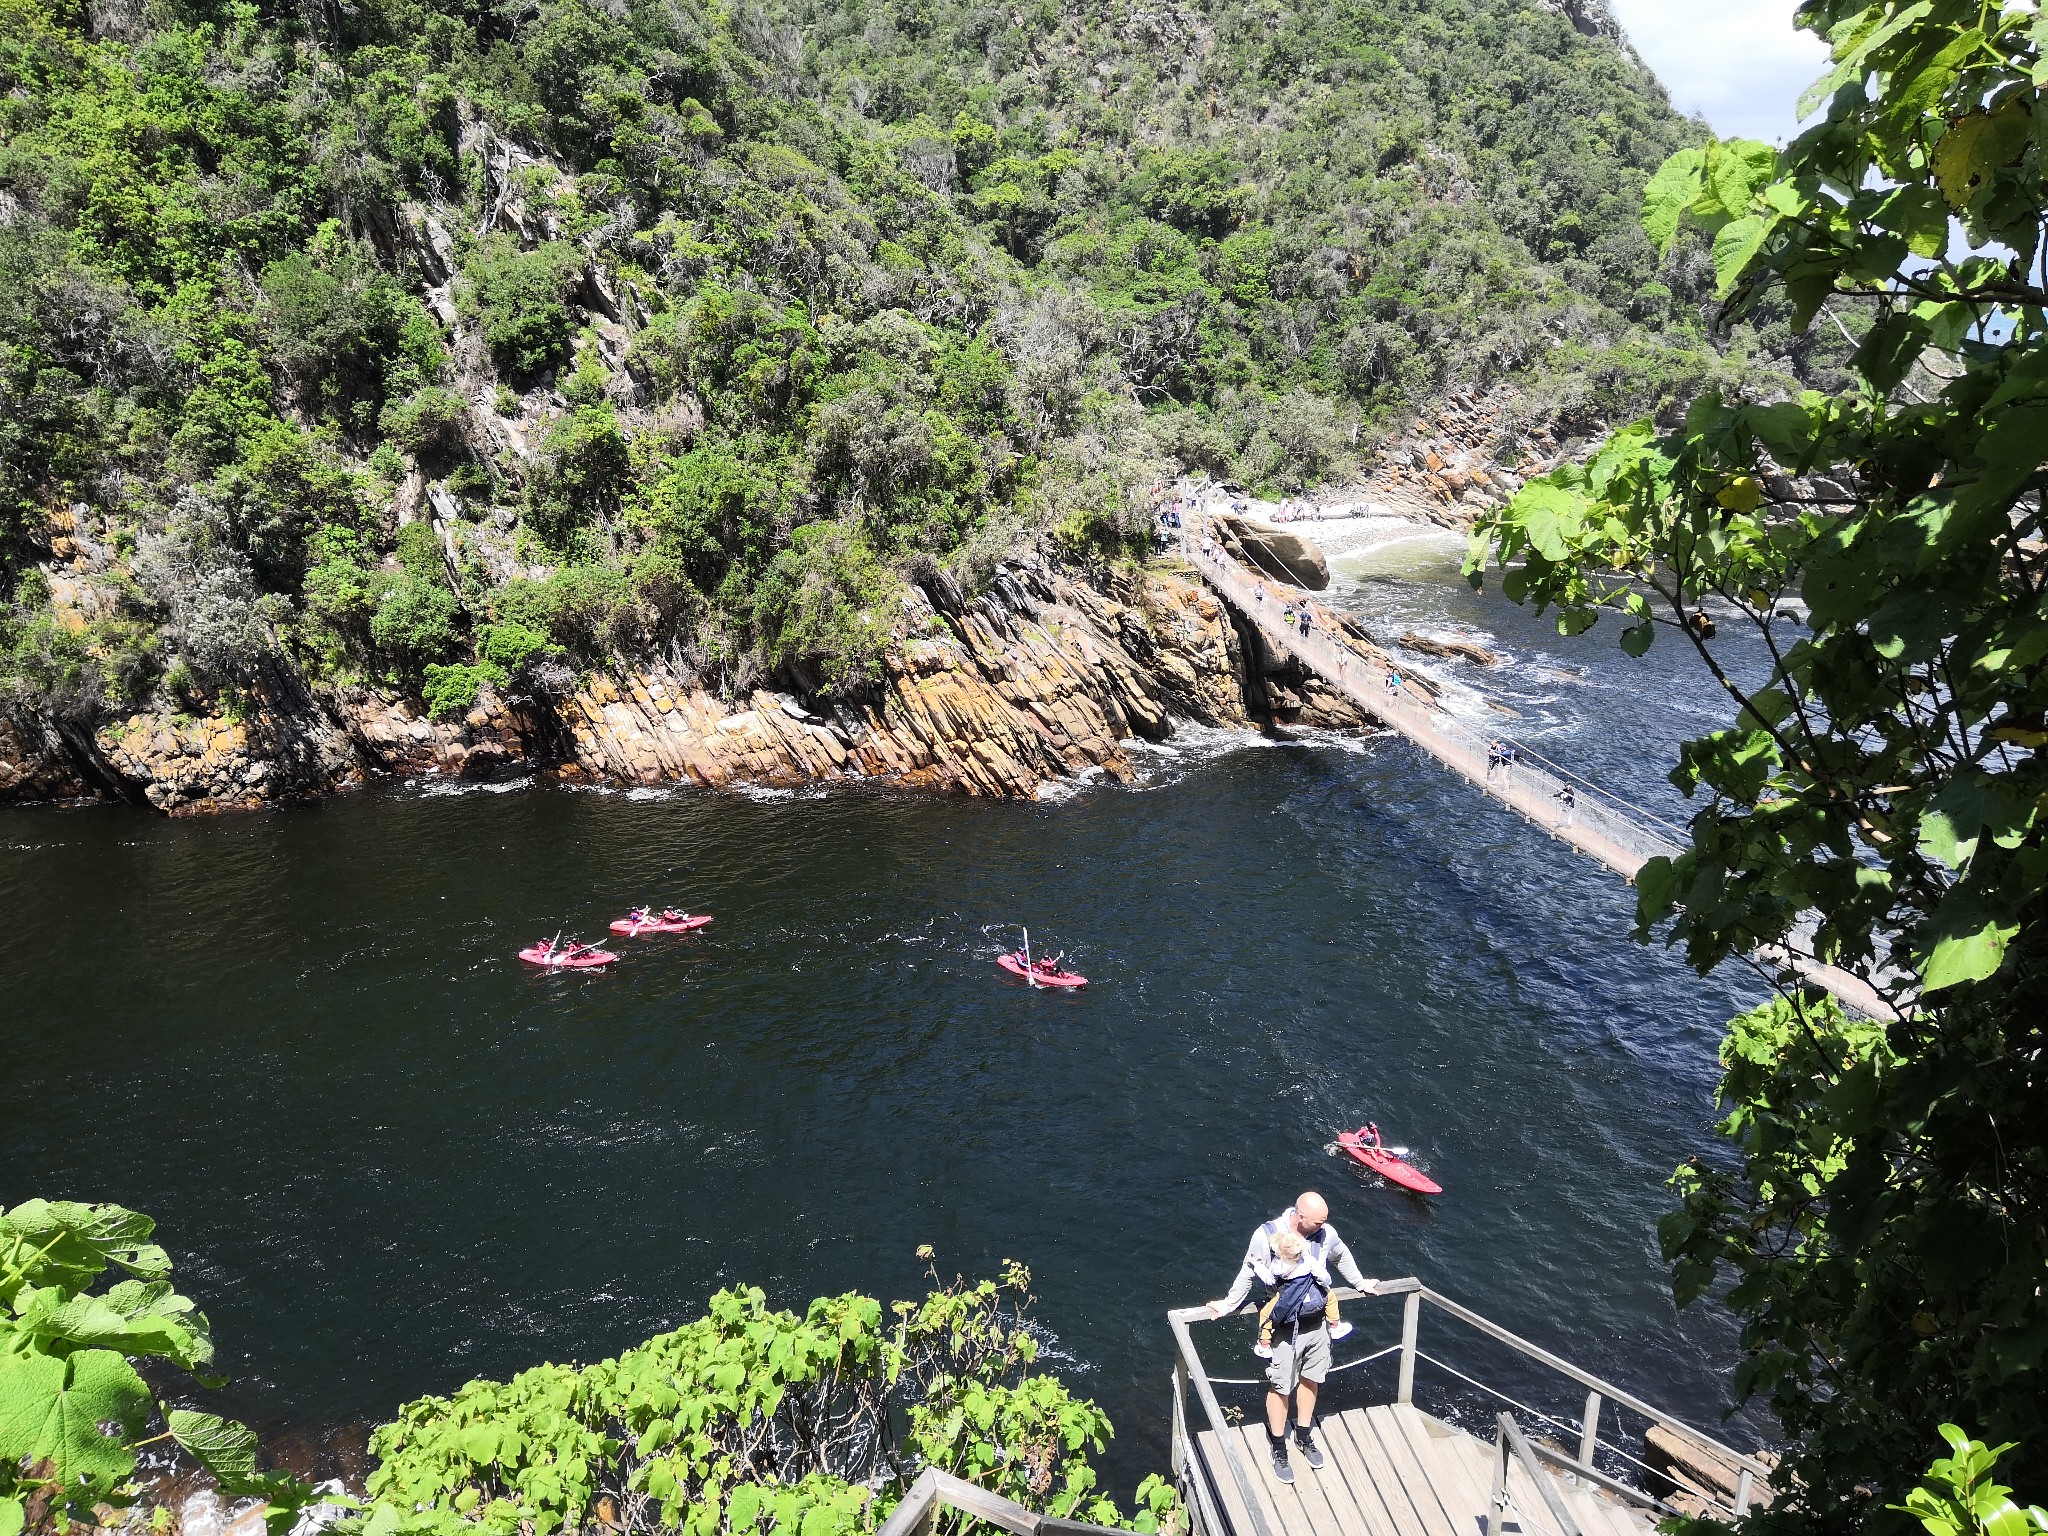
(1301, 1336)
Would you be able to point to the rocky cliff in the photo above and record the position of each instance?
(1046, 674)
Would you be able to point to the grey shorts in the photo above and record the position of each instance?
(1298, 1359)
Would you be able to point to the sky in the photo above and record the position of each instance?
(1738, 63)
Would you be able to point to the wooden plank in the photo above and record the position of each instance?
(1401, 1502)
(915, 1512)
(1222, 1484)
(1322, 1493)
(1461, 1465)
(1373, 1512)
(1436, 1519)
(1302, 1508)
(992, 1508)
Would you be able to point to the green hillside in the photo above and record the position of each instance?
(432, 344)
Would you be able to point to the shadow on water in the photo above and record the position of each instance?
(388, 1157)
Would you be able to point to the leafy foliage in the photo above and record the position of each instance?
(1958, 1497)
(73, 1408)
(752, 1419)
(1886, 1225)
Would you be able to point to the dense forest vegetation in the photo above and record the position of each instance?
(430, 345)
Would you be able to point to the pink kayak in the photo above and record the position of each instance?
(1366, 1149)
(679, 922)
(570, 957)
(1041, 971)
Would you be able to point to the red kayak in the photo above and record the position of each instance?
(663, 922)
(1041, 971)
(1364, 1145)
(569, 957)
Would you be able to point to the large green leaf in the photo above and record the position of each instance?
(54, 1408)
(1975, 147)
(1972, 949)
(1675, 188)
(1737, 170)
(1736, 246)
(223, 1447)
(63, 1242)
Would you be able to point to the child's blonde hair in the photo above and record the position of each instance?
(1288, 1246)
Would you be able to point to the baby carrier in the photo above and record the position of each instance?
(1299, 1298)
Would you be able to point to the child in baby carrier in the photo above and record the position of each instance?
(1289, 1260)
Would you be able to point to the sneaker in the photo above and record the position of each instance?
(1310, 1451)
(1263, 1351)
(1282, 1468)
(1339, 1332)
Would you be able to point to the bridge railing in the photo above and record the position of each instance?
(1582, 812)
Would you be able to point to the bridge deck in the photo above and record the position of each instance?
(1393, 1470)
(1576, 813)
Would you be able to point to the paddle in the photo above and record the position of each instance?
(1366, 1146)
(1030, 970)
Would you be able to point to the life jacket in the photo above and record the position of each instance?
(1304, 1293)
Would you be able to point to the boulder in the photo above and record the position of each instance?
(1275, 552)
(1450, 650)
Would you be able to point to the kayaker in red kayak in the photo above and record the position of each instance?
(1364, 1146)
(1040, 973)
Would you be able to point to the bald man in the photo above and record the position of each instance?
(1301, 1343)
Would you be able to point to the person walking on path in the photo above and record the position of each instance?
(1301, 1339)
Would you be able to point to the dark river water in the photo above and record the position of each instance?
(387, 1157)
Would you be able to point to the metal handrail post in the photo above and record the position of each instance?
(1589, 1429)
(1411, 1318)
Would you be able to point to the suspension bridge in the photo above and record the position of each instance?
(1608, 829)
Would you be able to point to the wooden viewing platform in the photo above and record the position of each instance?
(1606, 829)
(1392, 1469)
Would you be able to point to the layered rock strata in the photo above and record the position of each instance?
(1042, 676)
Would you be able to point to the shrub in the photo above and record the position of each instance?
(452, 690)
(826, 601)
(419, 553)
(714, 504)
(209, 593)
(583, 473)
(345, 333)
(511, 646)
(519, 300)
(587, 609)
(751, 1419)
(279, 489)
(426, 422)
(414, 623)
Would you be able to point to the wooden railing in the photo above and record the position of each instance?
(1189, 1374)
(934, 1491)
(1510, 1442)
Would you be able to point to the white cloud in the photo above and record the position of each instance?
(1737, 63)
